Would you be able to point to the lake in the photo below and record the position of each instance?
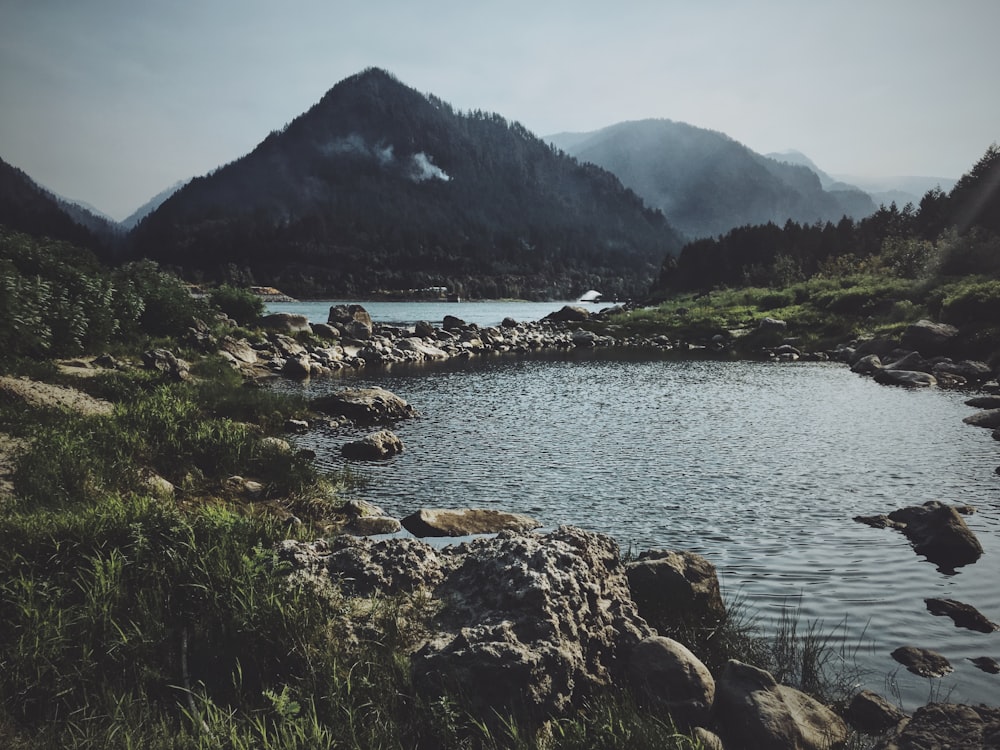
(758, 466)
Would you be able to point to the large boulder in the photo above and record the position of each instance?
(465, 522)
(421, 348)
(904, 378)
(530, 623)
(753, 712)
(871, 713)
(946, 726)
(569, 314)
(365, 406)
(675, 589)
(936, 531)
(988, 418)
(166, 362)
(283, 322)
(669, 678)
(929, 338)
(376, 446)
(238, 349)
(353, 320)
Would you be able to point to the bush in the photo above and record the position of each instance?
(971, 302)
(241, 305)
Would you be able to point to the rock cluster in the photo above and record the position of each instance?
(538, 623)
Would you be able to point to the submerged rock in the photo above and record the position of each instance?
(963, 615)
(376, 446)
(365, 405)
(922, 661)
(465, 522)
(905, 378)
(936, 531)
(988, 418)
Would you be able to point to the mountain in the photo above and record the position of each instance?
(705, 183)
(27, 207)
(133, 219)
(379, 187)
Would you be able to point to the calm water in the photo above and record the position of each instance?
(759, 467)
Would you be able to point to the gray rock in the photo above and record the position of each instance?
(465, 522)
(297, 368)
(669, 678)
(365, 566)
(165, 361)
(365, 406)
(569, 314)
(753, 712)
(530, 623)
(928, 338)
(867, 364)
(963, 615)
(326, 331)
(910, 361)
(675, 589)
(922, 661)
(239, 349)
(871, 713)
(372, 526)
(939, 532)
(882, 347)
(948, 726)
(905, 378)
(376, 446)
(984, 402)
(986, 664)
(423, 329)
(285, 323)
(422, 348)
(451, 323)
(343, 315)
(988, 418)
(772, 324)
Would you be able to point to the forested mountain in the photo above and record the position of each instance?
(133, 219)
(378, 186)
(26, 206)
(948, 234)
(705, 183)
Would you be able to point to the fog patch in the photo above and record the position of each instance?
(422, 169)
(419, 167)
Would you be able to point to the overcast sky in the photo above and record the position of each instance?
(110, 101)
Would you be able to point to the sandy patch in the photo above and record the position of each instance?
(48, 395)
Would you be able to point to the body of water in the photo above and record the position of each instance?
(407, 313)
(758, 466)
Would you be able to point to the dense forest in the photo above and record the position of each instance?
(948, 234)
(381, 187)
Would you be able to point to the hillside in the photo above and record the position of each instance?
(380, 187)
(26, 206)
(705, 183)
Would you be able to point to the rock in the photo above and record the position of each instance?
(297, 368)
(988, 418)
(424, 330)
(905, 378)
(707, 740)
(872, 714)
(938, 532)
(275, 446)
(354, 320)
(963, 615)
(674, 589)
(772, 324)
(326, 331)
(910, 361)
(753, 712)
(246, 488)
(584, 339)
(157, 485)
(669, 678)
(986, 664)
(422, 348)
(239, 349)
(867, 364)
(971, 371)
(922, 661)
(376, 446)
(296, 425)
(569, 314)
(451, 323)
(372, 526)
(530, 623)
(465, 522)
(928, 338)
(165, 361)
(382, 567)
(882, 347)
(948, 726)
(984, 402)
(285, 323)
(365, 406)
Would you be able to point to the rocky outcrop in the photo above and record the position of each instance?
(353, 320)
(531, 623)
(465, 522)
(569, 314)
(675, 589)
(365, 406)
(376, 446)
(947, 726)
(922, 661)
(936, 531)
(963, 615)
(670, 679)
(166, 362)
(753, 712)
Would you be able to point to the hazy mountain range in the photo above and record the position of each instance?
(378, 186)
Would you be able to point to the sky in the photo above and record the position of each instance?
(111, 101)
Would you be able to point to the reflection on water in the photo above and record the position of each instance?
(759, 467)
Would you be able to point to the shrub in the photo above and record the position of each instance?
(241, 305)
(971, 302)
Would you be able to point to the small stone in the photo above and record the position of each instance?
(922, 661)
(985, 663)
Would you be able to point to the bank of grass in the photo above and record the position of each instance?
(822, 312)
